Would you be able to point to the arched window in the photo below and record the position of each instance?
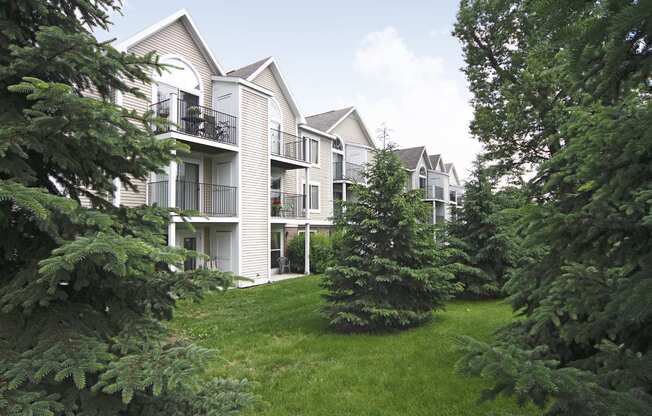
(337, 144)
(275, 122)
(180, 78)
(180, 75)
(423, 178)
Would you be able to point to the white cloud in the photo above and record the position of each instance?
(415, 97)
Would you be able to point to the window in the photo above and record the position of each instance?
(314, 151)
(275, 127)
(314, 196)
(422, 178)
(337, 145)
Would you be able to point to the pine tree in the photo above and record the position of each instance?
(85, 292)
(483, 229)
(583, 344)
(391, 274)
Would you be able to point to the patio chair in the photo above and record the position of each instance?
(283, 265)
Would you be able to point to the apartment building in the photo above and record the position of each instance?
(258, 171)
(438, 180)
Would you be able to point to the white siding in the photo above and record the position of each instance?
(175, 39)
(323, 175)
(267, 80)
(351, 131)
(255, 185)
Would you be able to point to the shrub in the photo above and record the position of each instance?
(321, 252)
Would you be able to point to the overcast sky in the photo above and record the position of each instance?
(394, 60)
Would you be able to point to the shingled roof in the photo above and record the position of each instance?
(246, 71)
(434, 161)
(410, 156)
(326, 121)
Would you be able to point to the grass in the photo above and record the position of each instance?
(274, 336)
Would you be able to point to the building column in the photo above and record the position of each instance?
(306, 269)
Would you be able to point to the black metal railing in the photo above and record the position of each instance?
(287, 205)
(355, 172)
(200, 121)
(288, 145)
(434, 192)
(208, 199)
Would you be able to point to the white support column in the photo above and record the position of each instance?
(118, 189)
(306, 269)
(172, 184)
(174, 109)
(343, 191)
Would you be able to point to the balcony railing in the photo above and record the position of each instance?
(208, 199)
(287, 205)
(433, 191)
(288, 146)
(199, 121)
(440, 219)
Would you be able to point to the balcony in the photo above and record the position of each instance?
(350, 172)
(207, 199)
(287, 205)
(435, 192)
(288, 151)
(197, 121)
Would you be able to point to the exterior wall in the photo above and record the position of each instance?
(254, 183)
(351, 132)
(175, 39)
(322, 173)
(267, 80)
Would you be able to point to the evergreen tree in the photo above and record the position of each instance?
(583, 344)
(85, 292)
(483, 230)
(391, 274)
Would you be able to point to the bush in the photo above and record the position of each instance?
(321, 252)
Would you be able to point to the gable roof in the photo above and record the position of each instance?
(251, 71)
(410, 157)
(434, 160)
(450, 169)
(329, 120)
(184, 17)
(246, 71)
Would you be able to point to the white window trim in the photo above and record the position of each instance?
(310, 140)
(155, 81)
(307, 190)
(269, 123)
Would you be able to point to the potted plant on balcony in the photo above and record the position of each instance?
(276, 207)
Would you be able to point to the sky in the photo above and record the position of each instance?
(396, 61)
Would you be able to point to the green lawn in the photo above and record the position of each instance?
(274, 336)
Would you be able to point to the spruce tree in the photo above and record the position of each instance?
(583, 344)
(85, 290)
(483, 229)
(391, 274)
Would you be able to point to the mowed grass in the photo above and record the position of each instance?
(274, 336)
